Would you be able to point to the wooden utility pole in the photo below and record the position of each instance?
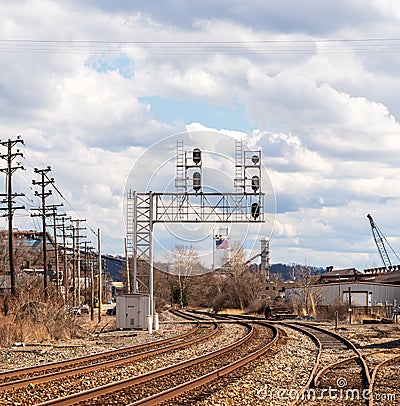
(77, 244)
(91, 264)
(54, 215)
(9, 170)
(85, 268)
(64, 242)
(45, 181)
(100, 272)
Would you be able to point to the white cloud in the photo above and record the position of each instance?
(325, 115)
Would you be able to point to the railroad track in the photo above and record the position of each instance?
(185, 386)
(340, 367)
(27, 383)
(171, 381)
(340, 372)
(384, 383)
(18, 377)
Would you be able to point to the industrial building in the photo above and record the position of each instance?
(370, 293)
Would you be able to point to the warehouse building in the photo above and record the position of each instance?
(365, 293)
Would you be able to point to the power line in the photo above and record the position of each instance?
(63, 198)
(261, 46)
(199, 42)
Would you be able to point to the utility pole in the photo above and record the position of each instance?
(91, 263)
(9, 157)
(100, 272)
(73, 267)
(77, 245)
(45, 181)
(85, 268)
(53, 213)
(65, 273)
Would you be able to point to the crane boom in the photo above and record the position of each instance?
(379, 238)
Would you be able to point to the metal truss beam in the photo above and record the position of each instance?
(207, 207)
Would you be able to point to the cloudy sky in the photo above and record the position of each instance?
(91, 85)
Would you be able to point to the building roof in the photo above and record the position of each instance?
(342, 272)
(390, 277)
(340, 275)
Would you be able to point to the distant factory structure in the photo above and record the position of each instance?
(374, 291)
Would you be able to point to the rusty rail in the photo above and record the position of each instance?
(50, 376)
(202, 380)
(373, 377)
(112, 387)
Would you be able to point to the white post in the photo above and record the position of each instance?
(156, 322)
(149, 323)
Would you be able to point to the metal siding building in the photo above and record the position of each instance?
(362, 293)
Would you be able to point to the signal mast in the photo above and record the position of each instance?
(191, 204)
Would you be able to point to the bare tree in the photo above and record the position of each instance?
(309, 295)
(235, 265)
(185, 263)
(239, 286)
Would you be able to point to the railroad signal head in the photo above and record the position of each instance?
(196, 156)
(255, 210)
(196, 181)
(255, 159)
(255, 183)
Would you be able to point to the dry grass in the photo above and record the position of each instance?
(27, 318)
(232, 311)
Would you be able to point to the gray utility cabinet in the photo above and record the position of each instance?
(132, 311)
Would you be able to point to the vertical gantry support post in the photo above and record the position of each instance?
(151, 262)
(135, 240)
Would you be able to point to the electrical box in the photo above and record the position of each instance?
(132, 311)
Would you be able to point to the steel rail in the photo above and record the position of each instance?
(314, 375)
(333, 365)
(373, 377)
(348, 343)
(195, 383)
(345, 361)
(51, 376)
(115, 386)
(313, 372)
(99, 355)
(313, 337)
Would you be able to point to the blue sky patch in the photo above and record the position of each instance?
(106, 63)
(189, 111)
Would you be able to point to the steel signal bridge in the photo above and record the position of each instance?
(190, 204)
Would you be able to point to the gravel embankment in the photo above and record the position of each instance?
(62, 387)
(271, 380)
